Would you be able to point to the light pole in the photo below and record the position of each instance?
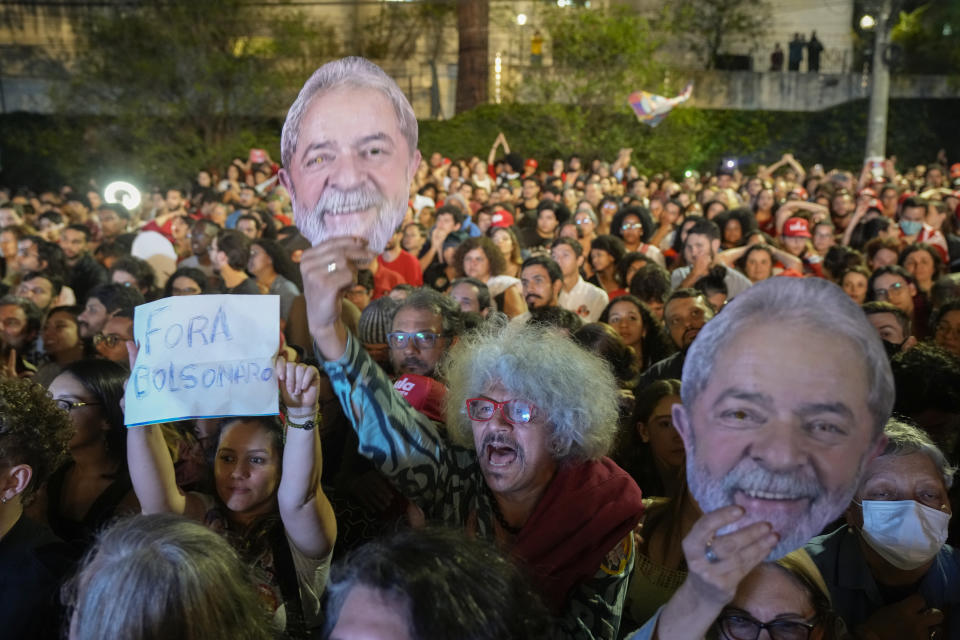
(879, 89)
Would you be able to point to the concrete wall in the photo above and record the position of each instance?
(787, 91)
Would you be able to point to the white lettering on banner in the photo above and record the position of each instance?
(204, 356)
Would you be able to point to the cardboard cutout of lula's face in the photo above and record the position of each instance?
(350, 172)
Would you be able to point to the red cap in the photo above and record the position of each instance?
(446, 161)
(797, 228)
(501, 218)
(801, 192)
(955, 170)
(531, 163)
(424, 394)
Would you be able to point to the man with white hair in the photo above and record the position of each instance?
(785, 396)
(349, 150)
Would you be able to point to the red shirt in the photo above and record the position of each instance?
(406, 265)
(384, 280)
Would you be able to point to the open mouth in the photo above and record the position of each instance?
(768, 503)
(500, 455)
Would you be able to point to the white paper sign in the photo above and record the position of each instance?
(204, 356)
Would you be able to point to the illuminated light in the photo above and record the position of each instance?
(521, 19)
(122, 193)
(867, 22)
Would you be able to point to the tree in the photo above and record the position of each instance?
(930, 38)
(599, 57)
(707, 27)
(473, 23)
(179, 83)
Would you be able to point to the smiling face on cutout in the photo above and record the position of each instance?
(786, 444)
(350, 172)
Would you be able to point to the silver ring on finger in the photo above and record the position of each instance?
(331, 267)
(710, 554)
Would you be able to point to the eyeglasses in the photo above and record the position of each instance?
(741, 626)
(110, 339)
(513, 411)
(631, 225)
(70, 405)
(883, 294)
(423, 339)
(586, 221)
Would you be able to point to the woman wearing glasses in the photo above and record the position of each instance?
(93, 486)
(782, 600)
(634, 226)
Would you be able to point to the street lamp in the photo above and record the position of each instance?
(867, 22)
(521, 19)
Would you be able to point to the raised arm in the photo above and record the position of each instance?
(151, 470)
(796, 166)
(305, 510)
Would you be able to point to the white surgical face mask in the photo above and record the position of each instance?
(905, 533)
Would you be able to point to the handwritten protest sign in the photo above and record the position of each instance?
(203, 357)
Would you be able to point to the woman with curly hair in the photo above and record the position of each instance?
(635, 323)
(481, 259)
(634, 226)
(605, 253)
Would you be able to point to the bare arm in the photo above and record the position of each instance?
(306, 512)
(858, 214)
(730, 256)
(795, 165)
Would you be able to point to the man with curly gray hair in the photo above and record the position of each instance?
(530, 417)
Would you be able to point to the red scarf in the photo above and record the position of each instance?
(587, 509)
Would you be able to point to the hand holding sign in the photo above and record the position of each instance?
(204, 356)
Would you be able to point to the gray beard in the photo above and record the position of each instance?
(715, 493)
(311, 222)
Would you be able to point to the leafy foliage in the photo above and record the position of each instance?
(599, 57)
(930, 37)
(179, 80)
(708, 26)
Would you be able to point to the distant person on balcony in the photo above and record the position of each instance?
(536, 49)
(814, 48)
(776, 58)
(796, 52)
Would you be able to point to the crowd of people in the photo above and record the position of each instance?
(566, 400)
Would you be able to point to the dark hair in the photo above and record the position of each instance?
(34, 315)
(198, 276)
(650, 282)
(515, 255)
(430, 300)
(117, 297)
(118, 209)
(33, 430)
(498, 264)
(706, 228)
(282, 263)
(556, 317)
(905, 322)
(570, 242)
(548, 263)
(81, 228)
(713, 282)
(913, 202)
(483, 291)
(746, 218)
(560, 210)
(926, 377)
(938, 266)
(451, 210)
(656, 344)
(106, 380)
(611, 244)
(840, 259)
(953, 304)
(50, 253)
(451, 586)
(741, 262)
(686, 292)
(677, 245)
(56, 282)
(603, 340)
(624, 265)
(236, 246)
(641, 213)
(890, 269)
(140, 269)
(365, 280)
(249, 216)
